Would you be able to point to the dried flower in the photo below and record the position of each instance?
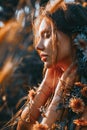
(84, 91)
(80, 84)
(55, 126)
(43, 111)
(77, 105)
(38, 126)
(43, 115)
(80, 122)
(31, 94)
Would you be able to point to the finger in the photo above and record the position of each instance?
(72, 75)
(71, 78)
(68, 71)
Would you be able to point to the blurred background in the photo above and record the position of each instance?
(20, 66)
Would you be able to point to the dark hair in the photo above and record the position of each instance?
(72, 19)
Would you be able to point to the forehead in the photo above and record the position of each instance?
(45, 24)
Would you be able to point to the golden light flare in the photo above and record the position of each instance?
(9, 31)
(7, 69)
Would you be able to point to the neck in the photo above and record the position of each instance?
(64, 64)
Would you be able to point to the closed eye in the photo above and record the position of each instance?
(46, 34)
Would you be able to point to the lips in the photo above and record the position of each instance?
(43, 57)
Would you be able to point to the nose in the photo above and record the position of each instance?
(40, 46)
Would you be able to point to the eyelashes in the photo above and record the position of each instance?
(46, 34)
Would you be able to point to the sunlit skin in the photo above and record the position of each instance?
(55, 50)
(51, 57)
(59, 54)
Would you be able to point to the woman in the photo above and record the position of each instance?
(61, 41)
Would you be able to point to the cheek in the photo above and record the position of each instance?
(48, 43)
(65, 50)
(68, 48)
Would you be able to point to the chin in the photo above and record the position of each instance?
(47, 65)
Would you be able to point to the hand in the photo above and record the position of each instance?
(70, 75)
(67, 80)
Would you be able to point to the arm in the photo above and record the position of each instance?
(46, 88)
(52, 113)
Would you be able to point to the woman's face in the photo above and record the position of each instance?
(52, 51)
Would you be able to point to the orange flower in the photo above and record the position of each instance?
(77, 105)
(80, 84)
(84, 91)
(80, 122)
(31, 94)
(38, 126)
(55, 126)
